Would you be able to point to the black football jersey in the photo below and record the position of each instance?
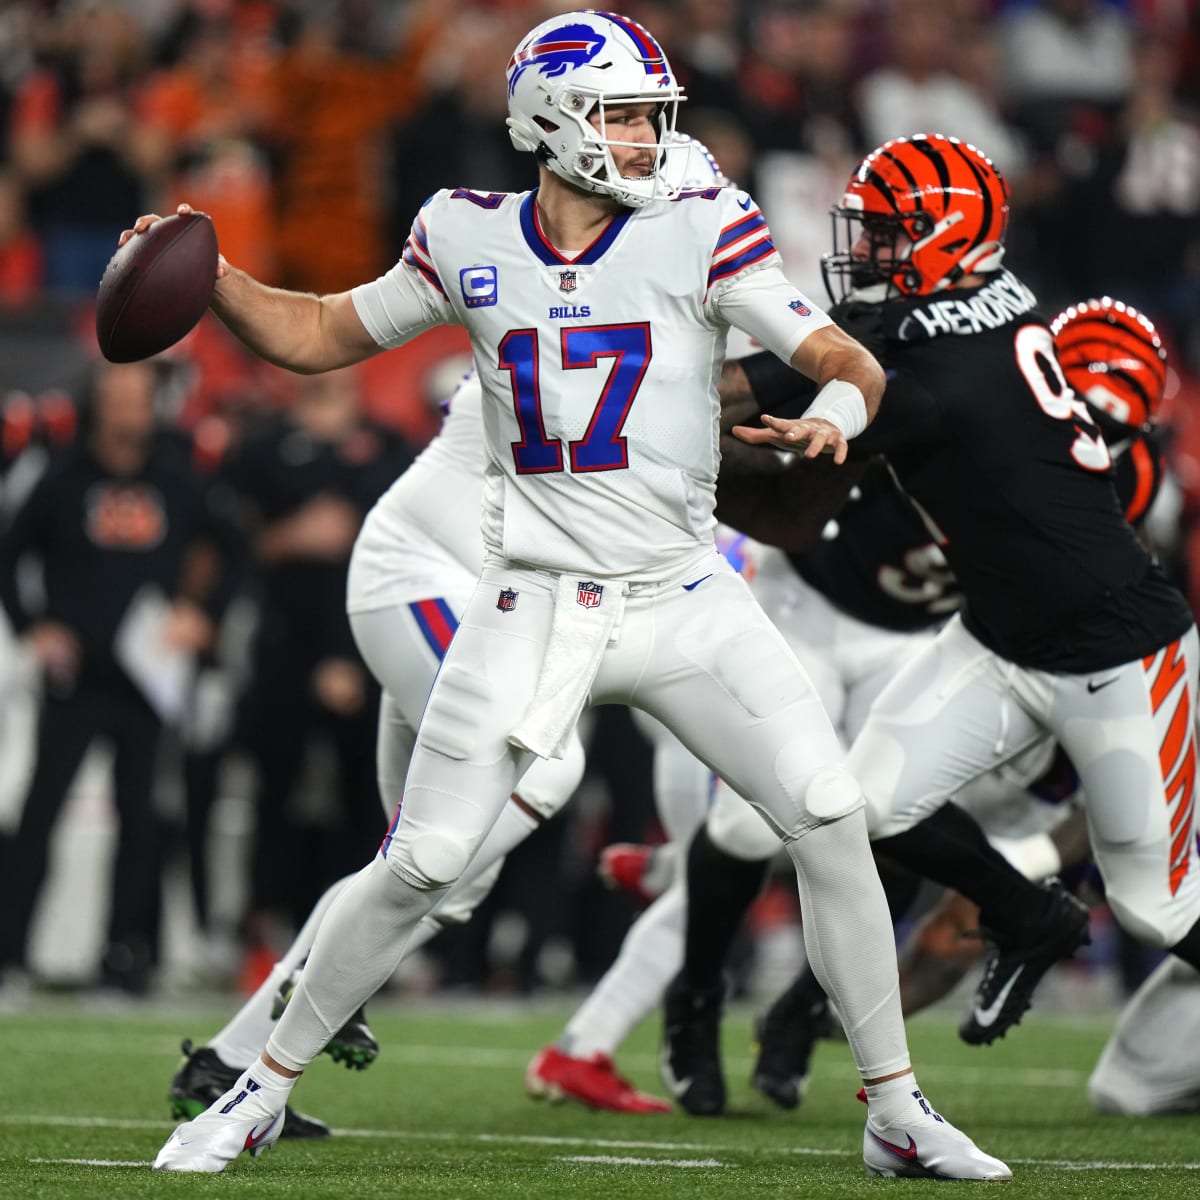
(878, 563)
(1014, 482)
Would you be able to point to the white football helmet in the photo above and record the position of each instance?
(572, 65)
(688, 163)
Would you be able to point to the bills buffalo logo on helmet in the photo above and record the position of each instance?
(560, 50)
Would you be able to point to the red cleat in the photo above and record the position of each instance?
(645, 872)
(592, 1081)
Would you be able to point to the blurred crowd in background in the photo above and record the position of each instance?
(311, 131)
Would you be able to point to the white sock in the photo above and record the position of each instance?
(239, 1043)
(632, 987)
(897, 1101)
(358, 946)
(849, 939)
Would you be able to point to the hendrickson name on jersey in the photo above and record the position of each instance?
(989, 308)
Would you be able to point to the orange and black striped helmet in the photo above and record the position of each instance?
(1113, 358)
(947, 198)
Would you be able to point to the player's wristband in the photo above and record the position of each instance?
(842, 404)
(773, 383)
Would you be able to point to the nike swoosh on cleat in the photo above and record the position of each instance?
(687, 587)
(252, 1141)
(987, 1016)
(909, 1152)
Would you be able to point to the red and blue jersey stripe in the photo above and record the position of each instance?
(739, 245)
(416, 253)
(436, 620)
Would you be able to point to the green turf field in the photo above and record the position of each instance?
(443, 1114)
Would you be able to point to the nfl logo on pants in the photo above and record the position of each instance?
(589, 594)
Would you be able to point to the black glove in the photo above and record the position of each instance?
(863, 322)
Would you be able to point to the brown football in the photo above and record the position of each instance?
(156, 287)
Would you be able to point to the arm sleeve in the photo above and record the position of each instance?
(401, 304)
(764, 303)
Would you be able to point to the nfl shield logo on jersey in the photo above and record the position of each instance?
(508, 600)
(566, 281)
(589, 594)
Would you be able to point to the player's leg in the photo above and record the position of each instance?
(729, 857)
(953, 713)
(462, 774)
(726, 867)
(1151, 1064)
(743, 704)
(1133, 742)
(579, 1065)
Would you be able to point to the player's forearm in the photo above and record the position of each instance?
(852, 364)
(285, 328)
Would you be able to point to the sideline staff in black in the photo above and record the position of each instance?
(114, 514)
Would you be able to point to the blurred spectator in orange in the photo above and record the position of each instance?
(333, 99)
(211, 107)
(20, 251)
(77, 141)
(451, 140)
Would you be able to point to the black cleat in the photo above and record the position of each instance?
(202, 1078)
(786, 1035)
(689, 1063)
(1016, 963)
(354, 1044)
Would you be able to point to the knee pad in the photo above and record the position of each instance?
(832, 793)
(429, 861)
(1143, 921)
(737, 828)
(466, 896)
(551, 782)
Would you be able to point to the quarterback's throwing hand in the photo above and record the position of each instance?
(809, 436)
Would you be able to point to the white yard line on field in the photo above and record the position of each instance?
(93, 1162)
(612, 1160)
(525, 1139)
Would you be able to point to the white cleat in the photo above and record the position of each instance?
(241, 1120)
(928, 1149)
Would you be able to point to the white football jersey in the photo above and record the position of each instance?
(599, 371)
(423, 533)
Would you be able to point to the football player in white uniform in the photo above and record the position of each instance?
(597, 308)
